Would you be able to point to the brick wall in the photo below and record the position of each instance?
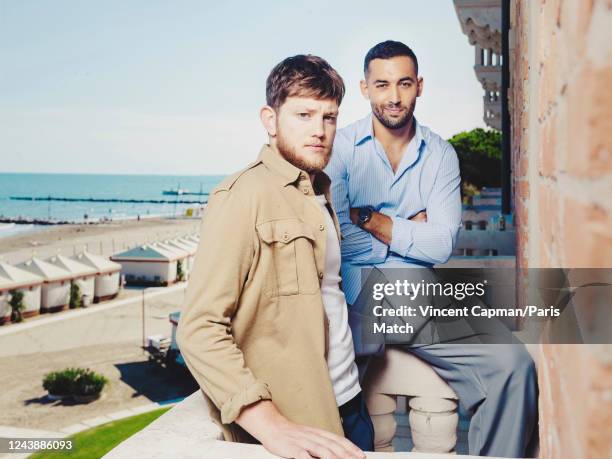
(561, 109)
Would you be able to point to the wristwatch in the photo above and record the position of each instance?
(365, 215)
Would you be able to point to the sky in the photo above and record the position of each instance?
(175, 87)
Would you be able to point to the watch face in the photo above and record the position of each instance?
(364, 214)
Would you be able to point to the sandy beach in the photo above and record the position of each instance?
(100, 238)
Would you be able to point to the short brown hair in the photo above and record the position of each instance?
(304, 76)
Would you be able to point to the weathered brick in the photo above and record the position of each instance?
(575, 20)
(588, 140)
(587, 239)
(523, 166)
(546, 92)
(574, 109)
(522, 189)
(548, 151)
(599, 118)
(545, 215)
(545, 258)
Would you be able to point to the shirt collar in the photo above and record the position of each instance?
(273, 160)
(289, 174)
(365, 131)
(418, 134)
(413, 153)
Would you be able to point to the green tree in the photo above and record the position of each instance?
(479, 152)
(180, 274)
(76, 299)
(17, 305)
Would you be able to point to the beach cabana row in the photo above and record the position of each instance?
(157, 263)
(108, 275)
(55, 293)
(46, 284)
(15, 279)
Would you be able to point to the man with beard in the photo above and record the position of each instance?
(264, 326)
(395, 187)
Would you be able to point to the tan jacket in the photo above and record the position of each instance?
(253, 325)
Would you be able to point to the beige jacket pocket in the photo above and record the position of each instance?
(289, 242)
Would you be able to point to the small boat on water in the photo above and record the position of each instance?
(176, 191)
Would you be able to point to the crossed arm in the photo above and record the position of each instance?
(428, 236)
(381, 226)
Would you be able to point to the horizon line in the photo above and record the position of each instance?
(109, 173)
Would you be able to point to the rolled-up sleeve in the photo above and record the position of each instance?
(222, 263)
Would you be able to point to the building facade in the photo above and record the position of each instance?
(560, 107)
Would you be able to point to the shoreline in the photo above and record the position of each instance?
(51, 222)
(102, 238)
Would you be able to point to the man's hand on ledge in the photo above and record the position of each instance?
(290, 440)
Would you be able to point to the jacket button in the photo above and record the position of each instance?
(285, 236)
(321, 227)
(320, 274)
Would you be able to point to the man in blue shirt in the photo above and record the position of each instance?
(396, 191)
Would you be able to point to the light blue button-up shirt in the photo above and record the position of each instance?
(427, 178)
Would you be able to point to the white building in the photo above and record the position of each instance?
(148, 265)
(195, 238)
(187, 252)
(55, 294)
(15, 279)
(481, 22)
(5, 307)
(107, 278)
(83, 275)
(190, 246)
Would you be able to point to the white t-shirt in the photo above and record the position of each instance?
(341, 355)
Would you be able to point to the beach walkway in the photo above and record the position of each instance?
(109, 322)
(105, 338)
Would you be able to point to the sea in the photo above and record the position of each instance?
(97, 186)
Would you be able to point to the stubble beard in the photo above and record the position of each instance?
(391, 123)
(289, 152)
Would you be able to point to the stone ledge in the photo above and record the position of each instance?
(186, 431)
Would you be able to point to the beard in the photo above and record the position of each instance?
(307, 164)
(393, 123)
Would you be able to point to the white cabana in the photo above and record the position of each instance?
(195, 238)
(188, 242)
(56, 287)
(15, 279)
(107, 279)
(186, 253)
(83, 275)
(148, 265)
(189, 246)
(5, 307)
